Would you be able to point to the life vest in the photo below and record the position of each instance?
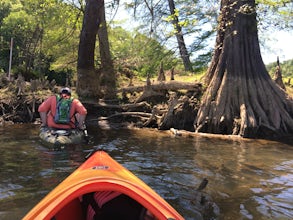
(63, 106)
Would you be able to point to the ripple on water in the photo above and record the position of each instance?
(7, 190)
(275, 201)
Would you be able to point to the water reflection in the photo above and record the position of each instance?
(247, 180)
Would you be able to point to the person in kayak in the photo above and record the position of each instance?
(62, 111)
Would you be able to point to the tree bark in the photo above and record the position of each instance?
(108, 78)
(241, 97)
(278, 76)
(161, 76)
(180, 115)
(87, 76)
(180, 39)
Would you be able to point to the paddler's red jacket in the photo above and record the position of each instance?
(49, 106)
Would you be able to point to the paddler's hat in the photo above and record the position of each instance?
(66, 91)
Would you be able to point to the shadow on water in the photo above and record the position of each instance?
(247, 180)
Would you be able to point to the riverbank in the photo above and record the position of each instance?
(174, 111)
(20, 100)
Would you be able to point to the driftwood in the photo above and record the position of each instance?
(160, 90)
(168, 110)
(117, 107)
(141, 114)
(184, 133)
(172, 85)
(157, 115)
(19, 100)
(179, 113)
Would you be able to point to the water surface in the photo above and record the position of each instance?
(247, 179)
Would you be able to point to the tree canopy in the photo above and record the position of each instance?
(46, 32)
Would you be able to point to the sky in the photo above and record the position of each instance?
(280, 44)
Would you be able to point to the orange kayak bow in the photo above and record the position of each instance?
(101, 175)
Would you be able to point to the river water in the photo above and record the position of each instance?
(247, 179)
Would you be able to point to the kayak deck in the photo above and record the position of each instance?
(114, 189)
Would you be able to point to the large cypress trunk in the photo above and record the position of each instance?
(87, 76)
(241, 98)
(108, 77)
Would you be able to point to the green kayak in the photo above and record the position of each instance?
(58, 137)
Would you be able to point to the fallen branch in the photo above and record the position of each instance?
(183, 133)
(155, 115)
(172, 85)
(124, 107)
(141, 114)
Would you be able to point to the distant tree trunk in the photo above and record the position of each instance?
(108, 78)
(180, 39)
(87, 76)
(241, 97)
(32, 47)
